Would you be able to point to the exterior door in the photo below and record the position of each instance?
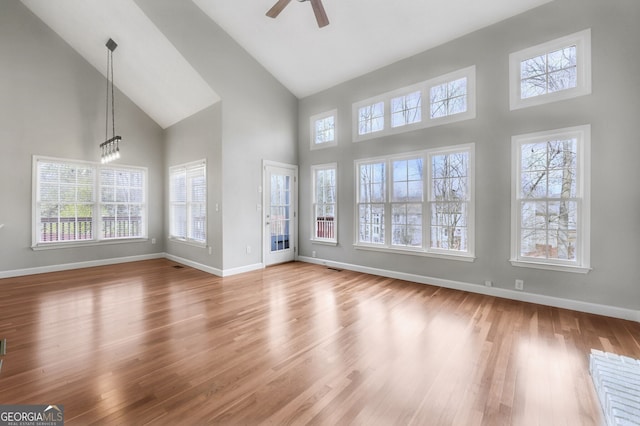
(280, 205)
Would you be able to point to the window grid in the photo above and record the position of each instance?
(324, 204)
(74, 202)
(371, 118)
(323, 129)
(556, 70)
(449, 98)
(122, 203)
(406, 109)
(550, 200)
(188, 202)
(440, 224)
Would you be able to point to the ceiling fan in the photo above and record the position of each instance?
(318, 10)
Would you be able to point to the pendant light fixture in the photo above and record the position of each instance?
(110, 148)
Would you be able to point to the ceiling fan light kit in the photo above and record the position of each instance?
(318, 10)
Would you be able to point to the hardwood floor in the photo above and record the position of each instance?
(146, 342)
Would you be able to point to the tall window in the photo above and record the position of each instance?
(87, 202)
(394, 214)
(188, 202)
(406, 202)
(323, 130)
(449, 200)
(122, 202)
(550, 203)
(325, 202)
(371, 202)
(552, 71)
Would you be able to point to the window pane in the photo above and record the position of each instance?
(406, 109)
(371, 118)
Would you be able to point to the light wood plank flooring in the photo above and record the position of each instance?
(146, 342)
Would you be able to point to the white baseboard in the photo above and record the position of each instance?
(78, 265)
(195, 265)
(575, 305)
(242, 269)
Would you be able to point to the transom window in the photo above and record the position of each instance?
(188, 202)
(419, 203)
(323, 130)
(556, 70)
(406, 109)
(550, 201)
(450, 97)
(325, 203)
(371, 118)
(84, 202)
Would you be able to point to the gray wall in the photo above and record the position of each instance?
(52, 104)
(612, 110)
(195, 138)
(259, 119)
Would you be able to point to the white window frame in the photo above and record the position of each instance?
(312, 125)
(96, 218)
(425, 250)
(424, 88)
(582, 41)
(583, 173)
(186, 168)
(314, 203)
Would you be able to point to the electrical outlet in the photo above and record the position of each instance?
(210, 250)
(248, 249)
(313, 253)
(519, 285)
(153, 241)
(488, 283)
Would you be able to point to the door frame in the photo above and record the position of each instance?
(294, 219)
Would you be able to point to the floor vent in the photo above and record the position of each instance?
(617, 382)
(3, 347)
(178, 267)
(334, 269)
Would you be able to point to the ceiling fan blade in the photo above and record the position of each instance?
(277, 8)
(321, 15)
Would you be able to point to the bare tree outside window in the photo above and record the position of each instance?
(406, 203)
(548, 73)
(449, 98)
(406, 109)
(371, 203)
(449, 201)
(371, 118)
(549, 205)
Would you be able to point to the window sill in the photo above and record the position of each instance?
(76, 244)
(188, 242)
(550, 266)
(324, 242)
(417, 252)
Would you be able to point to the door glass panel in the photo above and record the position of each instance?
(280, 212)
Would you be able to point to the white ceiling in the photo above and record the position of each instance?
(363, 35)
(147, 67)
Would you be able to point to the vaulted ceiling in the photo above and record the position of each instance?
(363, 35)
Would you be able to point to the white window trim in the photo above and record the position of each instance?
(96, 241)
(582, 41)
(426, 249)
(312, 130)
(187, 240)
(327, 241)
(426, 121)
(582, 263)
